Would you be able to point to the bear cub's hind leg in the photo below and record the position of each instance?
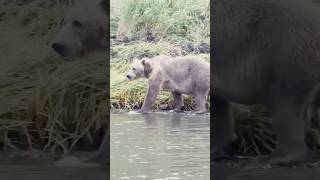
(178, 100)
(200, 99)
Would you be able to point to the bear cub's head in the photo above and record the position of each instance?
(83, 30)
(140, 69)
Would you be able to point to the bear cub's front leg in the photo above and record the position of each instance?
(150, 98)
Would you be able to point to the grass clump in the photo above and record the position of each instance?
(254, 129)
(256, 135)
(126, 52)
(53, 106)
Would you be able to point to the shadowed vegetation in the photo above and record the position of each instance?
(46, 103)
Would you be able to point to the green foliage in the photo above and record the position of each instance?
(171, 19)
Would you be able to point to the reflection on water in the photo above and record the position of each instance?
(17, 172)
(227, 172)
(33, 165)
(160, 146)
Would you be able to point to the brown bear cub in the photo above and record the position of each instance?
(180, 75)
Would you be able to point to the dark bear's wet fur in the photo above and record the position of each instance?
(265, 52)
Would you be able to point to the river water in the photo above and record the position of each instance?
(34, 166)
(160, 146)
(157, 146)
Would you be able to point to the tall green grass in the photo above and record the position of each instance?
(170, 19)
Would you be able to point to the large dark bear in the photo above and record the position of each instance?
(265, 52)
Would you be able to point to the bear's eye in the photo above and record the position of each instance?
(134, 69)
(76, 23)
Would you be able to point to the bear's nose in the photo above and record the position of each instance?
(59, 48)
(128, 76)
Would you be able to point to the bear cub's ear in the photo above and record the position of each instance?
(144, 61)
(147, 67)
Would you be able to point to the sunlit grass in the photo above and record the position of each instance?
(180, 20)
